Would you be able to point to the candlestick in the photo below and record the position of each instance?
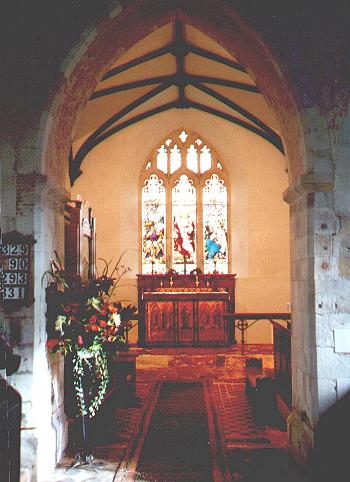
(152, 262)
(184, 264)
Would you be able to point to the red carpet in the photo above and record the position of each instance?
(177, 444)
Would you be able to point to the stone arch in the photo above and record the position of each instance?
(102, 45)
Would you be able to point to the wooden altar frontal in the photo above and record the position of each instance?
(185, 310)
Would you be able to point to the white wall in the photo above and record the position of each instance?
(259, 217)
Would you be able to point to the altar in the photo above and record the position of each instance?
(185, 310)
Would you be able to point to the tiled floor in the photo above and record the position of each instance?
(252, 449)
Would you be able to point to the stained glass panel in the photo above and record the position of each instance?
(175, 159)
(215, 225)
(184, 225)
(162, 159)
(205, 159)
(153, 226)
(192, 159)
(183, 136)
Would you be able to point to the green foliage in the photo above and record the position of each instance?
(91, 327)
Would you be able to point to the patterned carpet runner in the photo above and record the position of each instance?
(177, 444)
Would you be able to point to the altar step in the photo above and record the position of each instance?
(229, 358)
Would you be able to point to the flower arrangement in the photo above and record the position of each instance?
(90, 327)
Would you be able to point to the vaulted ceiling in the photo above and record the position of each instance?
(175, 67)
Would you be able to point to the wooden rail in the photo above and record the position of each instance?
(244, 321)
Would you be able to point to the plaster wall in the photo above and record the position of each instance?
(258, 216)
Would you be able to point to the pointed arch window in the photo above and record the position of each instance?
(153, 224)
(184, 206)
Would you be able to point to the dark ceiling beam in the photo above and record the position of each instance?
(127, 109)
(94, 140)
(168, 79)
(175, 79)
(138, 118)
(215, 57)
(76, 160)
(232, 105)
(275, 140)
(180, 50)
(139, 60)
(224, 82)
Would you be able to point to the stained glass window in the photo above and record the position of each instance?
(184, 224)
(215, 225)
(205, 159)
(186, 172)
(192, 159)
(183, 136)
(153, 226)
(162, 159)
(175, 159)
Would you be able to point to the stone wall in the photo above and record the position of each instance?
(32, 205)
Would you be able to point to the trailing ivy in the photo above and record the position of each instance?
(90, 377)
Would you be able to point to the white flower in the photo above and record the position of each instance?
(116, 319)
(60, 321)
(85, 353)
(94, 302)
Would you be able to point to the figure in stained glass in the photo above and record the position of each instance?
(184, 221)
(153, 225)
(215, 225)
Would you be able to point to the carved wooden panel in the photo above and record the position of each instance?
(211, 324)
(80, 240)
(186, 321)
(161, 321)
(177, 310)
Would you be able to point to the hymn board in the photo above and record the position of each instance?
(16, 253)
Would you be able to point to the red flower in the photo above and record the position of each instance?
(113, 309)
(80, 340)
(93, 319)
(72, 318)
(103, 312)
(51, 343)
(66, 309)
(103, 323)
(94, 328)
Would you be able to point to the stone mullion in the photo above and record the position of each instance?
(169, 228)
(199, 233)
